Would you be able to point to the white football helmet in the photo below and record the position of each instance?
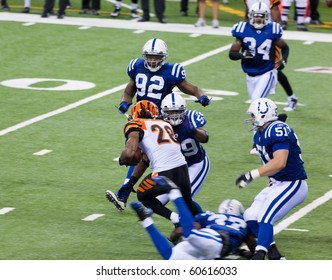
(154, 53)
(258, 15)
(262, 110)
(173, 108)
(231, 206)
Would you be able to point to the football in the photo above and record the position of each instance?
(137, 156)
(329, 3)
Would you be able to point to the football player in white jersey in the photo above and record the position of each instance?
(162, 152)
(189, 130)
(281, 156)
(206, 236)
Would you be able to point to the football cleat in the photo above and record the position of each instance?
(116, 12)
(134, 14)
(259, 255)
(26, 10)
(292, 104)
(274, 254)
(317, 22)
(140, 210)
(284, 25)
(119, 203)
(302, 27)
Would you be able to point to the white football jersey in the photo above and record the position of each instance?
(158, 143)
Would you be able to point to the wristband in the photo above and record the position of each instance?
(133, 180)
(255, 174)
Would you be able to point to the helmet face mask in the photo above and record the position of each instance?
(154, 53)
(259, 15)
(231, 206)
(144, 109)
(262, 111)
(173, 109)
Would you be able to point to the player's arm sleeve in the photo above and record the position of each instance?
(285, 52)
(134, 125)
(234, 52)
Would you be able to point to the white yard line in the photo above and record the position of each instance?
(61, 110)
(97, 96)
(152, 26)
(302, 212)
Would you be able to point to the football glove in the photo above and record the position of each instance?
(244, 179)
(279, 65)
(123, 107)
(247, 54)
(204, 100)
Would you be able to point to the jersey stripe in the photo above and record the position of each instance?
(131, 64)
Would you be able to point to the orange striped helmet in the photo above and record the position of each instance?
(144, 109)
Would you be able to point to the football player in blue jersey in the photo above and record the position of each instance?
(281, 155)
(255, 45)
(206, 236)
(189, 130)
(152, 78)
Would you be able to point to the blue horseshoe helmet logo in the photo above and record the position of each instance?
(259, 108)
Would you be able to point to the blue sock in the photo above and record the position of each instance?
(129, 172)
(253, 228)
(160, 242)
(265, 235)
(186, 218)
(125, 189)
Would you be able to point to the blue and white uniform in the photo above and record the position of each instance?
(197, 160)
(288, 187)
(261, 75)
(234, 225)
(194, 153)
(154, 86)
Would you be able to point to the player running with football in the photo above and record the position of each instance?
(281, 156)
(188, 126)
(152, 78)
(162, 152)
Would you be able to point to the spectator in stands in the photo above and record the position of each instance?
(202, 9)
(117, 8)
(49, 6)
(159, 6)
(27, 5)
(90, 7)
(4, 5)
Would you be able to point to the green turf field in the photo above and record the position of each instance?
(52, 193)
